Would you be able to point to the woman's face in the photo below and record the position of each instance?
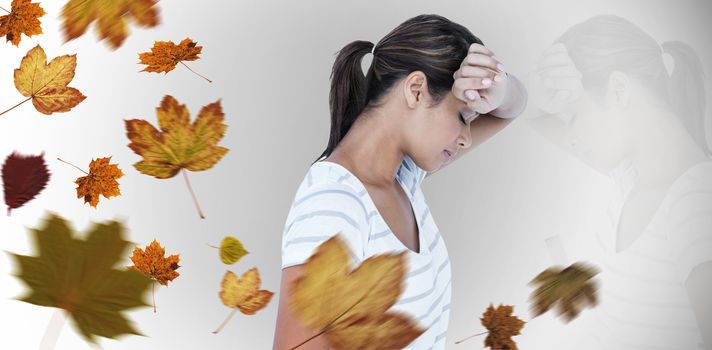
(594, 133)
(441, 129)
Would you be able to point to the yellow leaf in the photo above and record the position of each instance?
(231, 250)
(46, 84)
(243, 293)
(351, 307)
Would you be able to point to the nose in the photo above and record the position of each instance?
(465, 137)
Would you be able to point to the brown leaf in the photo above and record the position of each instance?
(111, 17)
(23, 178)
(153, 264)
(502, 326)
(569, 289)
(22, 19)
(165, 55)
(100, 181)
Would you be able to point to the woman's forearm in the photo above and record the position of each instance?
(515, 100)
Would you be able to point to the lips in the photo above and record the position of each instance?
(448, 156)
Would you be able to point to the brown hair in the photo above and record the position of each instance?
(605, 43)
(431, 44)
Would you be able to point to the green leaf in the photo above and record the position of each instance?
(79, 276)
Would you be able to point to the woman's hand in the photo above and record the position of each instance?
(481, 81)
(556, 82)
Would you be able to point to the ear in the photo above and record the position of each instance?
(619, 93)
(415, 88)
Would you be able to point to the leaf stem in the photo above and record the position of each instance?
(474, 335)
(195, 200)
(80, 169)
(328, 326)
(212, 246)
(186, 66)
(56, 323)
(234, 310)
(153, 287)
(4, 9)
(11, 108)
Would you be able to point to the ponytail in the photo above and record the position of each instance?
(347, 97)
(686, 91)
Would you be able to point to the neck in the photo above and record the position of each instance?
(662, 150)
(371, 148)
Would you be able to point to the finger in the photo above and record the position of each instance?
(466, 89)
(477, 59)
(479, 48)
(474, 72)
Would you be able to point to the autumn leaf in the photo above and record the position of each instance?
(22, 19)
(46, 84)
(501, 326)
(165, 55)
(153, 264)
(23, 177)
(111, 17)
(79, 276)
(101, 180)
(231, 250)
(350, 307)
(243, 294)
(178, 145)
(569, 289)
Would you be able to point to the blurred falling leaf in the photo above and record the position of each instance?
(46, 84)
(243, 294)
(350, 307)
(101, 180)
(178, 145)
(571, 289)
(501, 326)
(111, 17)
(79, 277)
(153, 263)
(165, 55)
(23, 18)
(23, 177)
(231, 250)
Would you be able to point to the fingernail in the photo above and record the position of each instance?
(497, 78)
(470, 95)
(486, 81)
(500, 67)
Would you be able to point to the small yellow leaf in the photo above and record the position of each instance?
(231, 250)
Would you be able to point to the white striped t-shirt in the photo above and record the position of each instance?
(331, 199)
(644, 303)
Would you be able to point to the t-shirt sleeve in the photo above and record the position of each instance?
(689, 228)
(320, 212)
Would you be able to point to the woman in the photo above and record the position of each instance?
(613, 100)
(433, 91)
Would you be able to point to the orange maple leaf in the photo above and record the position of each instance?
(153, 264)
(165, 55)
(111, 17)
(502, 326)
(23, 18)
(101, 180)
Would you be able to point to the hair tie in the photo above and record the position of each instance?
(373, 49)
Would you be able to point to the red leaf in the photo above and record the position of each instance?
(23, 178)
